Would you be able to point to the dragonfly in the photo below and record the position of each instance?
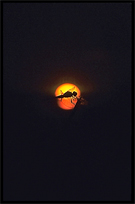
(68, 94)
(73, 96)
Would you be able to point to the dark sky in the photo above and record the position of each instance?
(49, 153)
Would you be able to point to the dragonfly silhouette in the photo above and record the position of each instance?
(73, 96)
(68, 94)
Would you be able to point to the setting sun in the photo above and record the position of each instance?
(66, 102)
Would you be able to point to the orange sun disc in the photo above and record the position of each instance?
(65, 103)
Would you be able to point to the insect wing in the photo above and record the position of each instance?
(71, 89)
(61, 92)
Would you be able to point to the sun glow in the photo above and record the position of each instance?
(65, 103)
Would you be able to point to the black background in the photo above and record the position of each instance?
(49, 153)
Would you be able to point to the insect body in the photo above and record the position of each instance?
(67, 94)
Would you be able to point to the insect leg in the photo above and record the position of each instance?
(72, 101)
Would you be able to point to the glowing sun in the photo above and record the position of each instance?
(66, 102)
